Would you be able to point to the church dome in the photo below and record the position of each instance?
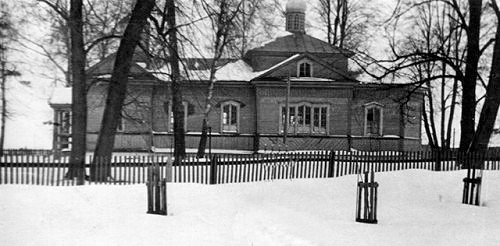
(296, 6)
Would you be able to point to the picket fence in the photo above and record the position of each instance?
(227, 168)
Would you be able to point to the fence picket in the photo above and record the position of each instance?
(24, 171)
(240, 169)
(58, 173)
(232, 172)
(248, 166)
(51, 171)
(11, 164)
(231, 175)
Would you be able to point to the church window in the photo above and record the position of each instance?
(230, 114)
(305, 69)
(373, 119)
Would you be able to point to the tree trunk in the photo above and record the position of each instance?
(4, 102)
(443, 108)
(343, 24)
(177, 107)
(219, 45)
(492, 101)
(208, 103)
(452, 114)
(100, 168)
(427, 127)
(469, 83)
(336, 23)
(203, 139)
(76, 167)
(329, 21)
(208, 106)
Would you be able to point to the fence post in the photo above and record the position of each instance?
(210, 140)
(169, 170)
(256, 142)
(213, 170)
(156, 191)
(472, 187)
(331, 163)
(366, 199)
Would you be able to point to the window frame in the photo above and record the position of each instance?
(63, 138)
(170, 117)
(60, 114)
(306, 62)
(302, 118)
(230, 103)
(374, 106)
(289, 21)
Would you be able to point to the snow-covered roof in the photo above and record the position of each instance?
(61, 96)
(238, 70)
(299, 42)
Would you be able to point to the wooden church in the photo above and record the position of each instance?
(296, 75)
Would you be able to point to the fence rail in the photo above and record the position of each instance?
(227, 168)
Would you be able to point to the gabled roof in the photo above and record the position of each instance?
(239, 70)
(105, 66)
(300, 43)
(296, 57)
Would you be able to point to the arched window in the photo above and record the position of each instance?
(230, 114)
(304, 69)
(374, 115)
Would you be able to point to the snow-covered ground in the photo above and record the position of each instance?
(416, 207)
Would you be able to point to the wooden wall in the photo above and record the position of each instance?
(262, 116)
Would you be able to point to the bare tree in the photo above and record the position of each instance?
(178, 109)
(82, 23)
(79, 95)
(102, 27)
(167, 53)
(461, 66)
(6, 68)
(435, 31)
(346, 22)
(118, 88)
(489, 111)
(223, 19)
